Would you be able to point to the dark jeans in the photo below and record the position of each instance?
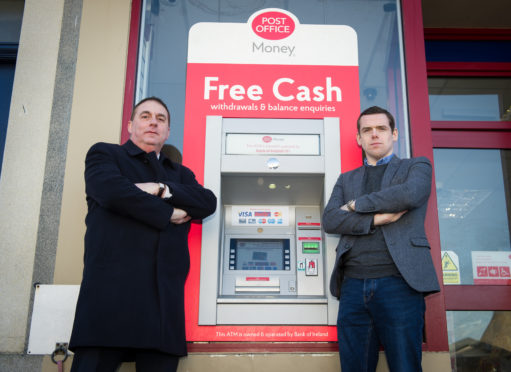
(104, 359)
(378, 311)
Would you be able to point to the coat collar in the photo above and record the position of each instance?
(135, 151)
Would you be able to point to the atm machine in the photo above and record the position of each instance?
(264, 258)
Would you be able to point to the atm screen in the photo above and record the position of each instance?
(259, 254)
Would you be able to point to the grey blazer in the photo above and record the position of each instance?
(406, 185)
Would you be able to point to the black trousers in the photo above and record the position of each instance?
(106, 359)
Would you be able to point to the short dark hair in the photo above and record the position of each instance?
(156, 99)
(377, 110)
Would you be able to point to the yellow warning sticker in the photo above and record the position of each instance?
(448, 264)
(450, 267)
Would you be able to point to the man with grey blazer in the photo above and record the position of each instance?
(383, 266)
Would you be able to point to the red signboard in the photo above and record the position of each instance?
(270, 67)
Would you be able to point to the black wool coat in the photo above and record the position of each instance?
(135, 261)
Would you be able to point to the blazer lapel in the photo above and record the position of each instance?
(391, 170)
(358, 179)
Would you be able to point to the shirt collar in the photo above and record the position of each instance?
(382, 161)
(134, 150)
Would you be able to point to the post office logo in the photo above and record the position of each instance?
(273, 25)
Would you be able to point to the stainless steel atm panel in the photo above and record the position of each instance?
(283, 261)
(258, 259)
(264, 257)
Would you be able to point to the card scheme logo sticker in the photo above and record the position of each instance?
(273, 24)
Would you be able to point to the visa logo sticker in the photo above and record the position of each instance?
(254, 215)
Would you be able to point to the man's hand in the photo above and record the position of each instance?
(179, 216)
(149, 187)
(386, 218)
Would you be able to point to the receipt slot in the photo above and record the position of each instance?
(264, 258)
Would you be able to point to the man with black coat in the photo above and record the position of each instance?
(136, 260)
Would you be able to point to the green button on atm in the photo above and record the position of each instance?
(310, 247)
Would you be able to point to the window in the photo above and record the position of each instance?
(470, 107)
(163, 38)
(474, 209)
(10, 27)
(470, 99)
(479, 340)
